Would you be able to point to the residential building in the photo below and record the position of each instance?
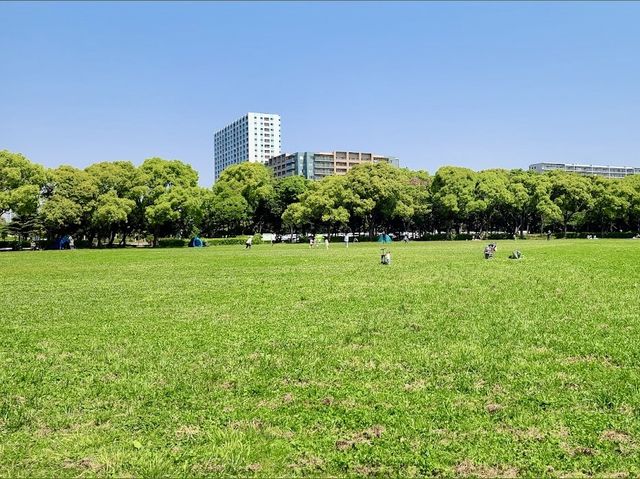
(587, 170)
(254, 137)
(317, 165)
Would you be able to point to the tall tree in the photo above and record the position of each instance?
(70, 196)
(255, 182)
(224, 211)
(571, 194)
(122, 185)
(177, 212)
(377, 190)
(20, 183)
(157, 178)
(452, 193)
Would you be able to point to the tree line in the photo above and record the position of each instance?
(109, 203)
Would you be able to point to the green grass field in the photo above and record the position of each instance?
(284, 361)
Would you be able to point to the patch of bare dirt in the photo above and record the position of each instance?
(88, 463)
(308, 463)
(615, 436)
(529, 434)
(493, 408)
(253, 467)
(228, 385)
(415, 385)
(468, 468)
(363, 437)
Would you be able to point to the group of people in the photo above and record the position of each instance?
(491, 248)
(315, 241)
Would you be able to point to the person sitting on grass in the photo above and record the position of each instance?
(516, 255)
(490, 250)
(385, 257)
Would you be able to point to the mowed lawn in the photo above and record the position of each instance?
(283, 361)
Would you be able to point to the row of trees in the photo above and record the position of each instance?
(112, 201)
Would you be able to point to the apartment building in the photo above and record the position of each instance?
(586, 169)
(317, 165)
(254, 137)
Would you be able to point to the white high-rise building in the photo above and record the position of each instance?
(254, 137)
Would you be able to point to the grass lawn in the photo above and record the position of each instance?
(284, 361)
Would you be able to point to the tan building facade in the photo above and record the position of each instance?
(316, 166)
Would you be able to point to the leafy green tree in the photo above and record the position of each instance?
(123, 185)
(160, 175)
(110, 213)
(61, 215)
(224, 210)
(287, 190)
(119, 177)
(178, 211)
(70, 196)
(296, 216)
(379, 194)
(491, 197)
(571, 193)
(325, 204)
(453, 193)
(164, 213)
(255, 182)
(528, 190)
(20, 183)
(630, 187)
(609, 207)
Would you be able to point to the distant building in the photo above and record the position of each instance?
(587, 170)
(254, 137)
(317, 165)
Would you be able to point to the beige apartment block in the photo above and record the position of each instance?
(317, 165)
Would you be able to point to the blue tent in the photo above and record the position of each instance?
(195, 242)
(384, 238)
(61, 243)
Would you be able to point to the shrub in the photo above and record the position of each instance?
(234, 240)
(610, 234)
(172, 243)
(14, 244)
(502, 236)
(445, 237)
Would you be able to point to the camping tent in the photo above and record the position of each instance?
(61, 243)
(195, 242)
(384, 238)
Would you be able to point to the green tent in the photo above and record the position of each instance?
(384, 238)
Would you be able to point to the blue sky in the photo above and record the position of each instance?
(471, 84)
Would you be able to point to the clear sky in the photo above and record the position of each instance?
(472, 84)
